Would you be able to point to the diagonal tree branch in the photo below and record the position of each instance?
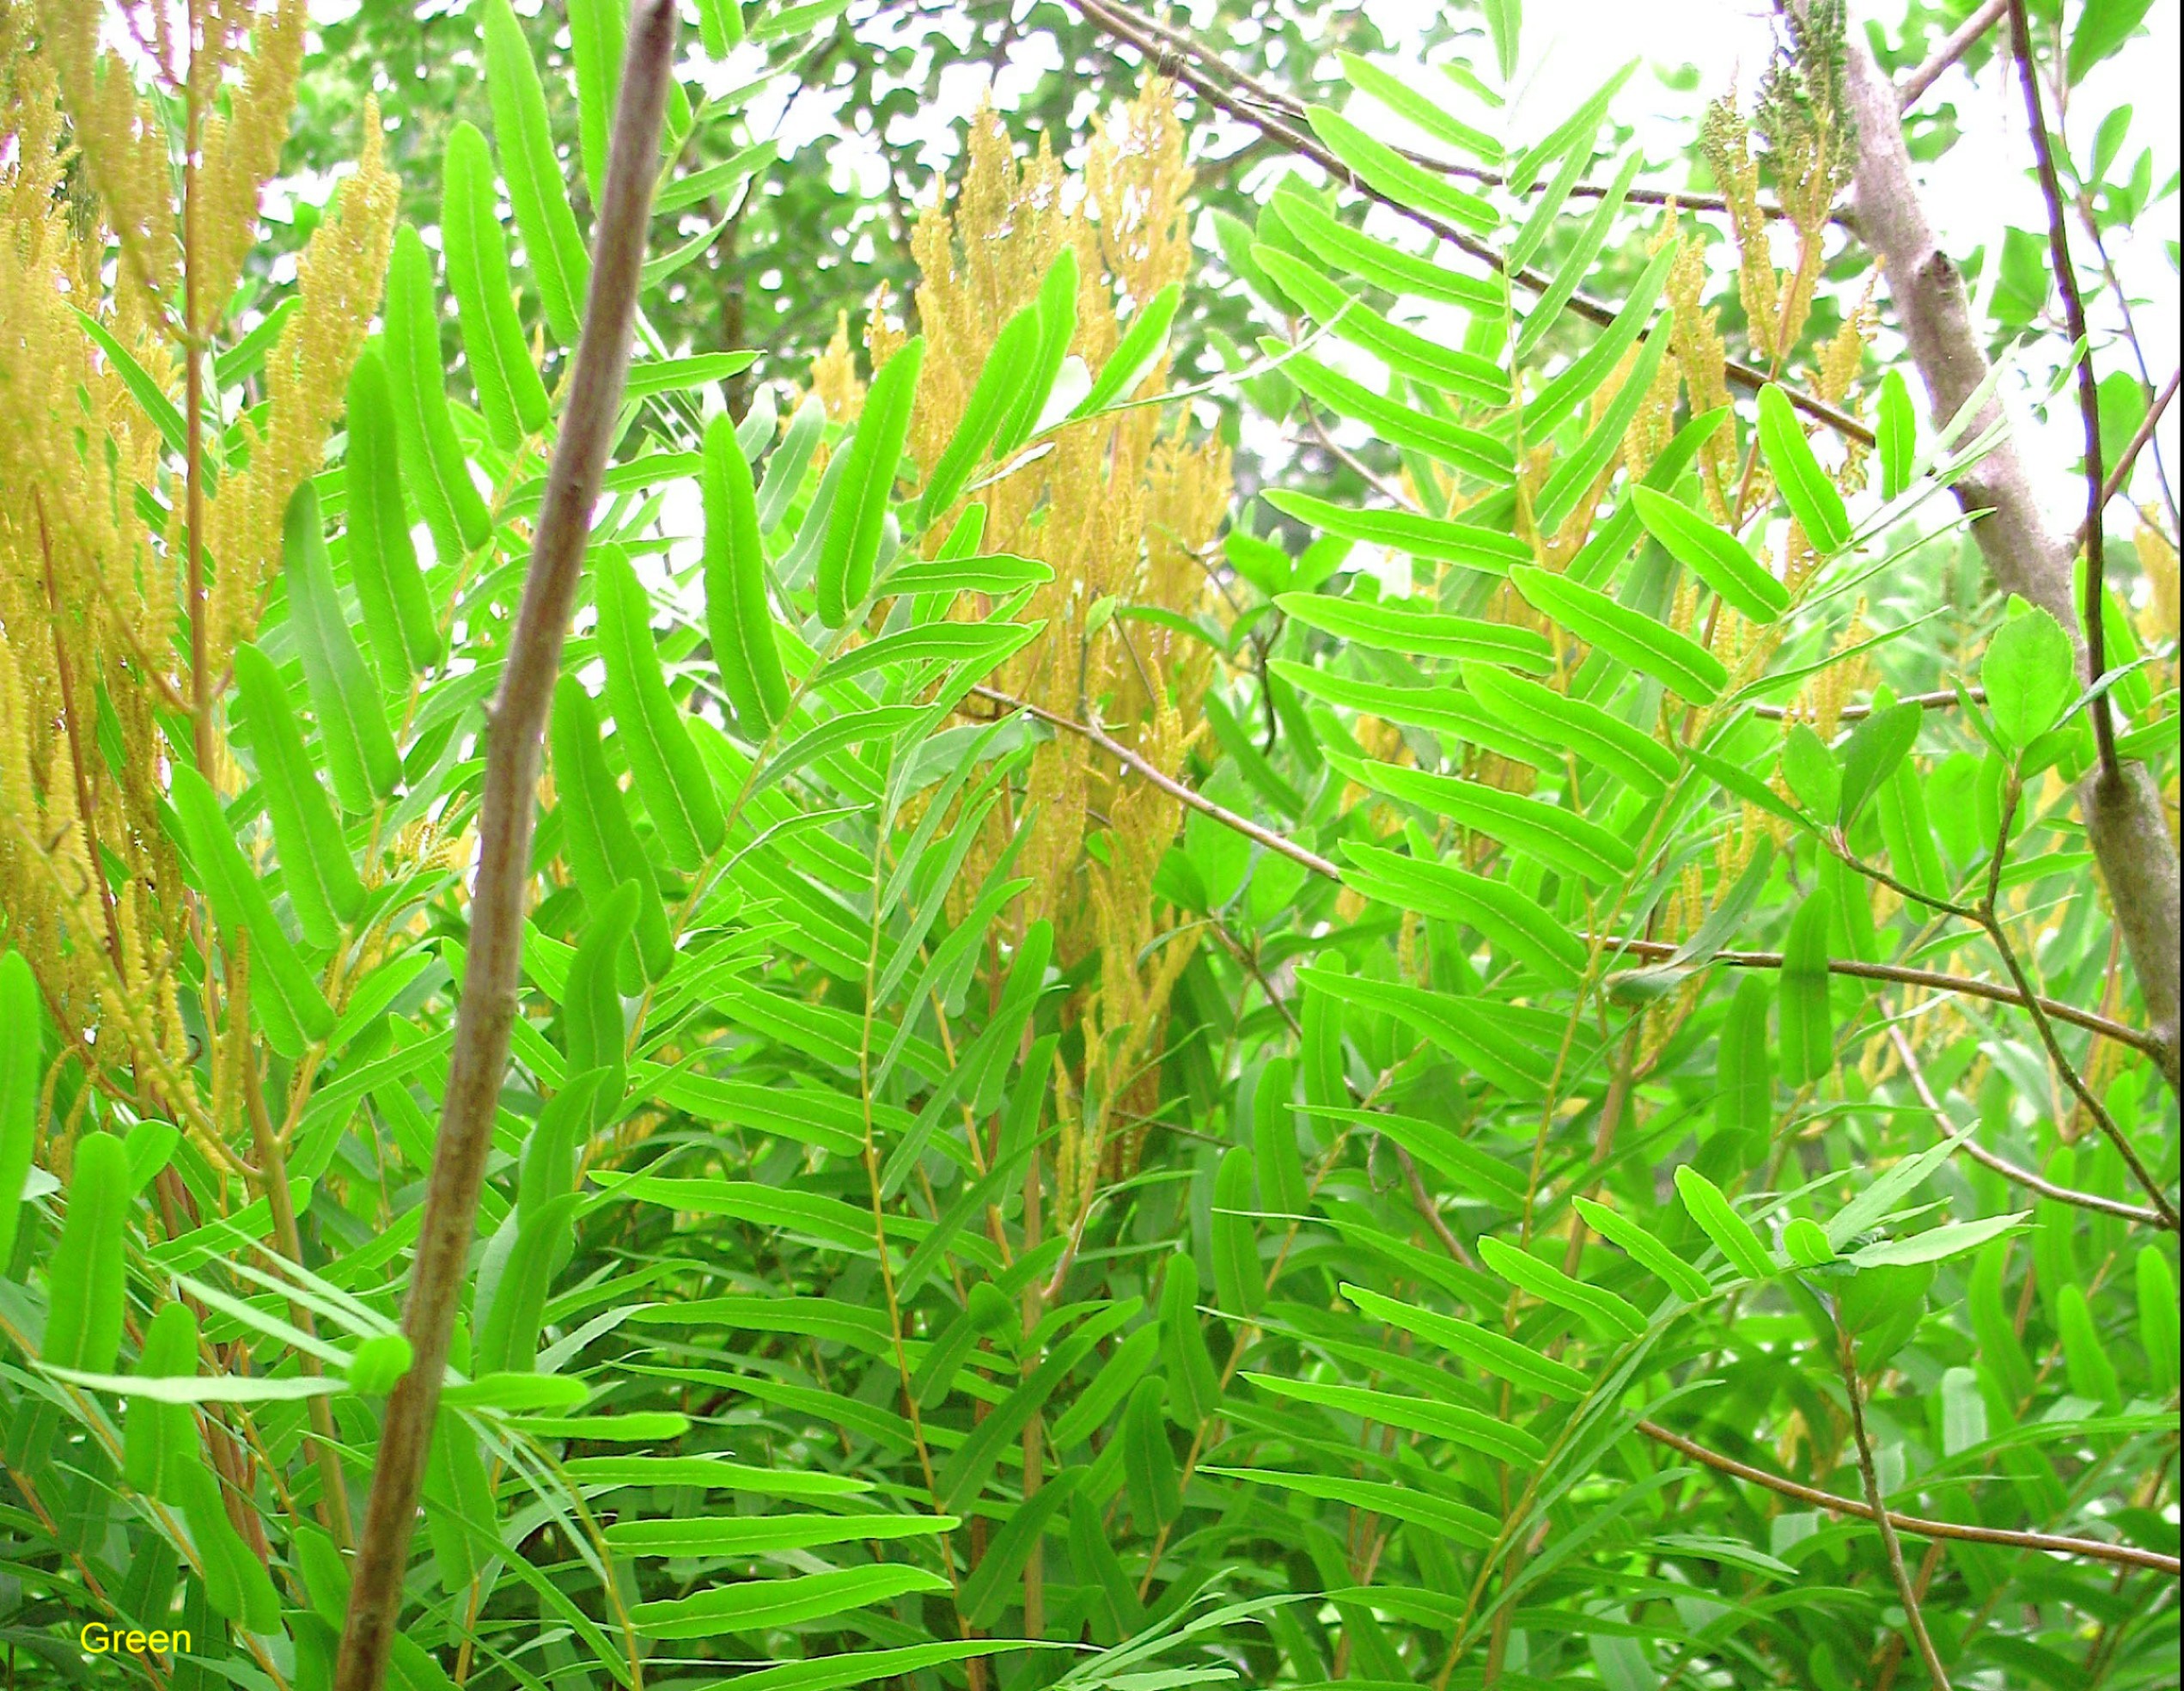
(507, 815)
(1186, 60)
(2123, 813)
(2091, 535)
(1652, 950)
(1959, 41)
(2093, 1549)
(2127, 460)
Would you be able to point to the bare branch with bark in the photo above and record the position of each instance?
(2024, 554)
(508, 815)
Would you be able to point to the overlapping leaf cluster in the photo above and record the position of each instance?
(1638, 1085)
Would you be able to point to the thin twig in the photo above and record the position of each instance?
(1652, 950)
(1188, 69)
(508, 815)
(2001, 1165)
(1954, 47)
(2000, 935)
(1428, 1212)
(1168, 784)
(2089, 389)
(1914, 1622)
(1970, 986)
(1931, 701)
(2127, 460)
(2093, 1549)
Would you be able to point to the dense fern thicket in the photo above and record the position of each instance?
(1505, 1064)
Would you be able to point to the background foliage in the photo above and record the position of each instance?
(1435, 1076)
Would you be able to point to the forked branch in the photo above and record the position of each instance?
(507, 818)
(2124, 815)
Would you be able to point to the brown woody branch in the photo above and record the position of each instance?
(1186, 61)
(2092, 532)
(2124, 817)
(2002, 1165)
(1891, 1548)
(1957, 44)
(2127, 460)
(1652, 950)
(2093, 1549)
(507, 818)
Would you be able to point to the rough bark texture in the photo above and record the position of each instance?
(2024, 553)
(507, 815)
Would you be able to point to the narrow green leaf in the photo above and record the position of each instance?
(738, 614)
(1729, 1230)
(1008, 369)
(510, 392)
(1576, 723)
(1443, 710)
(21, 1077)
(1546, 310)
(1382, 167)
(1466, 1428)
(1495, 1354)
(433, 465)
(1399, 423)
(1715, 557)
(1405, 101)
(165, 414)
(857, 519)
(1471, 545)
(1148, 1463)
(760, 1605)
(1680, 1277)
(1142, 346)
(669, 776)
(1382, 265)
(1806, 490)
(536, 189)
(390, 593)
(650, 376)
(284, 995)
(1608, 1314)
(602, 847)
(1897, 435)
(784, 471)
(1628, 636)
(1238, 1280)
(344, 696)
(1402, 627)
(1585, 375)
(596, 29)
(1744, 1068)
(1808, 1022)
(2158, 1320)
(315, 866)
(720, 27)
(1580, 472)
(1463, 374)
(1506, 917)
(1056, 309)
(1455, 1521)
(1560, 836)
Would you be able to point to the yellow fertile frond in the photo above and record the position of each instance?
(122, 145)
(241, 152)
(1725, 139)
(338, 280)
(833, 376)
(1695, 341)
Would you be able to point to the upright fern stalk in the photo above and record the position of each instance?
(518, 727)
